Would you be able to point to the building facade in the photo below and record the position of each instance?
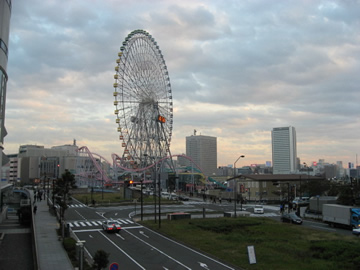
(284, 154)
(203, 151)
(35, 162)
(5, 14)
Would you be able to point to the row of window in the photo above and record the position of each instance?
(4, 47)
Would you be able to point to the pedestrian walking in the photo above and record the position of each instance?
(35, 209)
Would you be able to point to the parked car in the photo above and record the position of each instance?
(291, 218)
(259, 209)
(111, 226)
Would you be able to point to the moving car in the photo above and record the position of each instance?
(259, 209)
(183, 198)
(291, 218)
(111, 226)
(356, 232)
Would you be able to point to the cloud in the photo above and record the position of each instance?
(237, 69)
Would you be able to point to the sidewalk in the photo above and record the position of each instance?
(50, 251)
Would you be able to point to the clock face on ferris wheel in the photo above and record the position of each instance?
(143, 99)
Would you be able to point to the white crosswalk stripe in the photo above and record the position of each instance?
(195, 202)
(265, 215)
(76, 205)
(96, 223)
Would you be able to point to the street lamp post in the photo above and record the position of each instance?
(102, 180)
(235, 191)
(81, 244)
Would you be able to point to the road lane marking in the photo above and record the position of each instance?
(194, 251)
(118, 235)
(127, 255)
(203, 265)
(142, 232)
(158, 250)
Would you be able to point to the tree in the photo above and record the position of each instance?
(61, 191)
(346, 196)
(101, 259)
(317, 187)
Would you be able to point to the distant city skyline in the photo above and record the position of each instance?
(237, 69)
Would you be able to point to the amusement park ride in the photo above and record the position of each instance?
(144, 118)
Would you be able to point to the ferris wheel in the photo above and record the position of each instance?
(143, 100)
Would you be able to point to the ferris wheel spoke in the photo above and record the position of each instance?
(143, 99)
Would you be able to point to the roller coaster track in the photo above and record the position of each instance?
(103, 175)
(117, 160)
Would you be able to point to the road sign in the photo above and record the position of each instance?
(251, 253)
(114, 266)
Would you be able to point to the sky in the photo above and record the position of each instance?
(238, 68)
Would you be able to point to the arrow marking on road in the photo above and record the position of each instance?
(100, 213)
(141, 232)
(118, 235)
(203, 265)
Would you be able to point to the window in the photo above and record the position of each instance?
(4, 47)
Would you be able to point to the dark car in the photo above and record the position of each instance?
(291, 218)
(183, 198)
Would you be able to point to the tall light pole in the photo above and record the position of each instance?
(235, 194)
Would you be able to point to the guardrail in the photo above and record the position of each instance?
(33, 234)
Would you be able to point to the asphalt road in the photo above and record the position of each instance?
(135, 246)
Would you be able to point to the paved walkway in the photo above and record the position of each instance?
(51, 253)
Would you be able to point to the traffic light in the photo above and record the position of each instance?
(131, 182)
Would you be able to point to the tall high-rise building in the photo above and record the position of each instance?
(203, 150)
(5, 13)
(284, 156)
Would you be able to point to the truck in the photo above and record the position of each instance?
(316, 203)
(341, 215)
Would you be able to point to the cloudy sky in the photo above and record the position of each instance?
(237, 69)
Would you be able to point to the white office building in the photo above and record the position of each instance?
(203, 151)
(284, 155)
